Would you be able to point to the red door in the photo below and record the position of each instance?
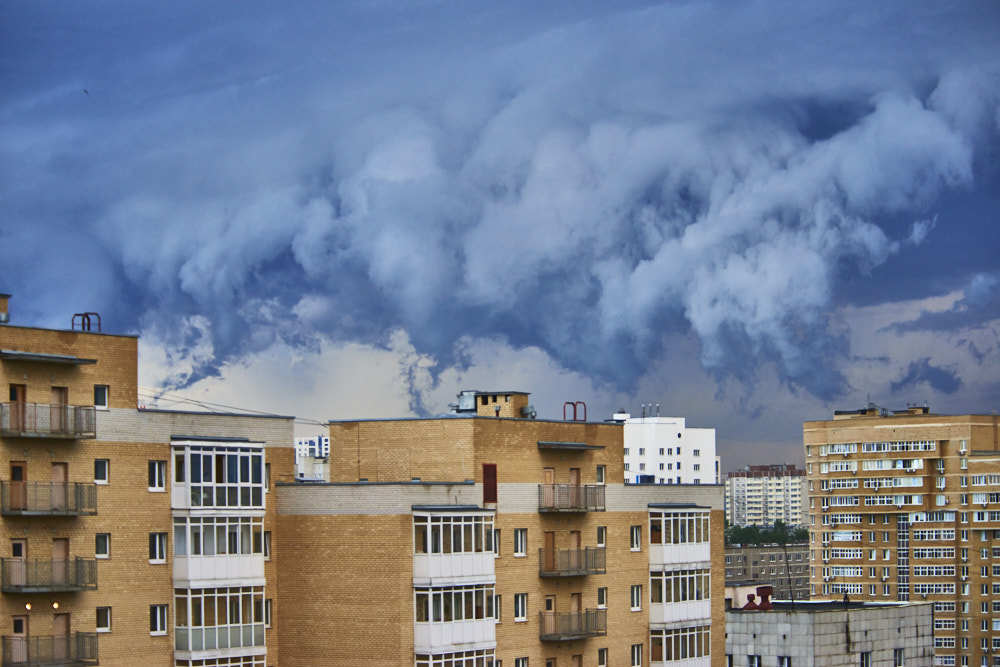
(489, 482)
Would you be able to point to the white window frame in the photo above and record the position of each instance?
(636, 655)
(157, 470)
(106, 479)
(602, 597)
(107, 397)
(521, 608)
(602, 536)
(520, 662)
(267, 612)
(520, 542)
(159, 553)
(635, 538)
(107, 546)
(158, 620)
(602, 474)
(267, 545)
(602, 657)
(635, 597)
(497, 609)
(97, 621)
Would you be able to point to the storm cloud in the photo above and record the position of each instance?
(587, 180)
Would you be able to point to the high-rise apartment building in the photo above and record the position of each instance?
(783, 567)
(128, 536)
(763, 494)
(664, 450)
(483, 538)
(906, 506)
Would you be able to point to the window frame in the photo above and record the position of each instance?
(106, 479)
(107, 546)
(156, 471)
(159, 539)
(107, 397)
(521, 604)
(602, 536)
(635, 655)
(635, 597)
(635, 538)
(520, 542)
(158, 615)
(97, 619)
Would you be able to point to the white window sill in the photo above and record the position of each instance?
(153, 489)
(520, 620)
(520, 555)
(158, 633)
(102, 482)
(158, 562)
(102, 557)
(636, 609)
(636, 549)
(103, 630)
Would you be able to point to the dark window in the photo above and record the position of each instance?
(489, 482)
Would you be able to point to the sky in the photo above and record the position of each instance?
(749, 213)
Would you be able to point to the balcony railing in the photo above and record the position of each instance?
(571, 562)
(47, 576)
(571, 497)
(48, 498)
(72, 650)
(217, 637)
(40, 420)
(555, 626)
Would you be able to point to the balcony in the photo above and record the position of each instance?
(40, 420)
(557, 627)
(571, 497)
(571, 562)
(48, 498)
(47, 576)
(242, 639)
(72, 650)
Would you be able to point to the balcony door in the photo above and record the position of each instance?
(550, 551)
(57, 409)
(575, 492)
(60, 560)
(60, 475)
(18, 396)
(18, 485)
(548, 488)
(19, 640)
(60, 636)
(17, 571)
(576, 557)
(575, 603)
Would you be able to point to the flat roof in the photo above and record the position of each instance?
(468, 415)
(74, 331)
(556, 444)
(262, 415)
(214, 438)
(415, 482)
(813, 606)
(678, 506)
(45, 357)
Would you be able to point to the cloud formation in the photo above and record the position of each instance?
(586, 182)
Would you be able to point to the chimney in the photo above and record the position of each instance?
(4, 315)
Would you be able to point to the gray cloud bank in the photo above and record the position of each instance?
(586, 180)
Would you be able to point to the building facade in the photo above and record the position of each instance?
(129, 536)
(761, 495)
(490, 540)
(831, 634)
(904, 506)
(664, 450)
(786, 569)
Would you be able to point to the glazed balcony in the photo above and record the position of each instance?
(72, 650)
(47, 576)
(41, 420)
(48, 498)
(571, 497)
(557, 627)
(571, 562)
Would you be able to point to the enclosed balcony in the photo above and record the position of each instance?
(562, 626)
(47, 576)
(41, 420)
(72, 650)
(48, 498)
(571, 497)
(571, 562)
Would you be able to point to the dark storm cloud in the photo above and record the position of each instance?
(980, 304)
(583, 178)
(923, 371)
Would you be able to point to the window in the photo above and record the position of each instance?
(102, 471)
(865, 659)
(635, 597)
(697, 452)
(157, 619)
(602, 657)
(497, 607)
(101, 396)
(520, 541)
(222, 476)
(626, 451)
(496, 543)
(784, 661)
(697, 466)
(104, 619)
(642, 451)
(602, 597)
(157, 547)
(635, 538)
(636, 655)
(179, 468)
(602, 535)
(157, 475)
(521, 610)
(520, 662)
(102, 545)
(753, 661)
(218, 536)
(267, 545)
(267, 612)
(601, 473)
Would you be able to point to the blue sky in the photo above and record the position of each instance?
(751, 213)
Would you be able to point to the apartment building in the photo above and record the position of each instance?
(904, 506)
(316, 447)
(761, 495)
(129, 536)
(785, 569)
(490, 538)
(664, 450)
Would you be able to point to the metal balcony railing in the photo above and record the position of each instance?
(571, 497)
(555, 626)
(72, 650)
(47, 576)
(48, 498)
(571, 562)
(40, 420)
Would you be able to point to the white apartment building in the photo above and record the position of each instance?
(317, 447)
(762, 495)
(664, 450)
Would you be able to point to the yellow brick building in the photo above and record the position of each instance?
(105, 552)
(477, 539)
(906, 506)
